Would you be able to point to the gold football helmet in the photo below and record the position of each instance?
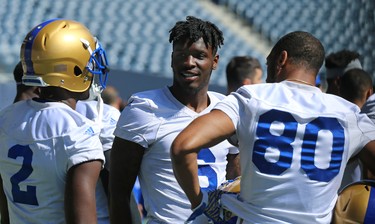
(356, 203)
(232, 186)
(63, 53)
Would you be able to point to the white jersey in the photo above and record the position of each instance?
(153, 119)
(110, 117)
(354, 169)
(294, 144)
(39, 143)
(108, 123)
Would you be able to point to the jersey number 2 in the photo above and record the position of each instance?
(283, 142)
(19, 196)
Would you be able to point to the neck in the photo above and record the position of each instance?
(197, 101)
(301, 81)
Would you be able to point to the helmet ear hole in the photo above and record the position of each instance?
(77, 71)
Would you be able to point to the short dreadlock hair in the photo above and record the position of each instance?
(194, 28)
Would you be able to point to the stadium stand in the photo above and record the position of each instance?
(338, 24)
(135, 32)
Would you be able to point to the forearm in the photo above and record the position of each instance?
(120, 210)
(82, 208)
(186, 171)
(119, 199)
(126, 158)
(204, 131)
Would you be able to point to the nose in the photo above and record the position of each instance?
(190, 61)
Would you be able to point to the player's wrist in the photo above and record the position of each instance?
(202, 198)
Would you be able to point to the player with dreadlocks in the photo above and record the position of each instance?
(151, 121)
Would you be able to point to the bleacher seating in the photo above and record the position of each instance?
(339, 24)
(134, 33)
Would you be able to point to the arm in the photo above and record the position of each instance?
(367, 156)
(205, 131)
(3, 205)
(233, 166)
(104, 173)
(126, 158)
(80, 205)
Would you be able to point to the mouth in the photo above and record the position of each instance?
(188, 75)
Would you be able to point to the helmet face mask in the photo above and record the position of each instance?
(98, 67)
(59, 53)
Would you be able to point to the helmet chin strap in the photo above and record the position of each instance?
(99, 108)
(94, 94)
(95, 88)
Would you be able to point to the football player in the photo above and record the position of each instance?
(294, 140)
(152, 119)
(51, 155)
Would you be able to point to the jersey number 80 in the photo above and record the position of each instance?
(283, 143)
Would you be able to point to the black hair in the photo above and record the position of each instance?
(340, 59)
(354, 84)
(193, 29)
(240, 68)
(302, 48)
(18, 73)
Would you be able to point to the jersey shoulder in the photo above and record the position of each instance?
(43, 120)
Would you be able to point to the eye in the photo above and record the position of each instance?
(201, 56)
(180, 54)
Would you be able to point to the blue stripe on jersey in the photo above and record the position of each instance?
(29, 45)
(370, 213)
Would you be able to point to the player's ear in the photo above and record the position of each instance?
(281, 60)
(215, 62)
(369, 92)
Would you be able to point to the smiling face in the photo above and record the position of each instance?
(192, 64)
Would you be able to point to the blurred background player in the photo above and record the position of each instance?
(284, 157)
(152, 119)
(369, 107)
(107, 118)
(111, 96)
(243, 70)
(336, 65)
(356, 87)
(50, 165)
(23, 92)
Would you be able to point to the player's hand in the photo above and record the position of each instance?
(198, 211)
(209, 206)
